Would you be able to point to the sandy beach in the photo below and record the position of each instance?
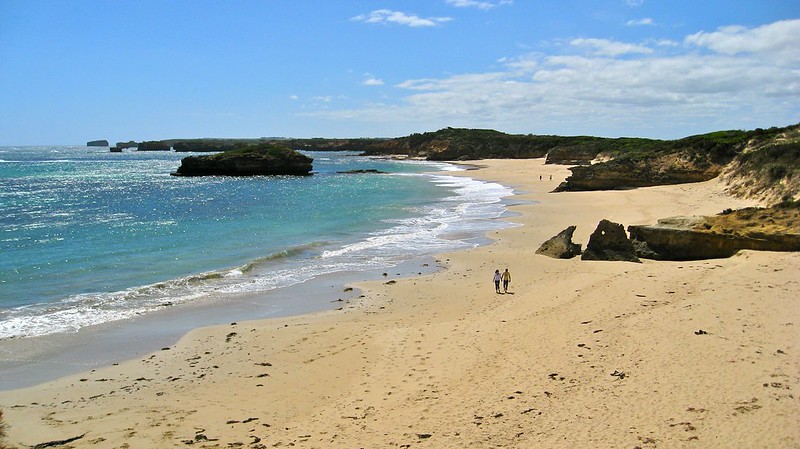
(579, 354)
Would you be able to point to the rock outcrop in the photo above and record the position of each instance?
(362, 171)
(128, 144)
(154, 145)
(631, 173)
(721, 236)
(97, 143)
(610, 242)
(561, 245)
(262, 159)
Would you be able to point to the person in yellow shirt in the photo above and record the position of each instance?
(506, 277)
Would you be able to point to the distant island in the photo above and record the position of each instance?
(97, 143)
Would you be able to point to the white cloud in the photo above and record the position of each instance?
(604, 47)
(641, 22)
(634, 3)
(779, 38)
(746, 78)
(372, 82)
(484, 5)
(385, 16)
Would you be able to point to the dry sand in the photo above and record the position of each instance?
(581, 355)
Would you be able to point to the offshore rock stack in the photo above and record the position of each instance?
(253, 160)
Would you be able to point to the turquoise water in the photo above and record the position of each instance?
(90, 237)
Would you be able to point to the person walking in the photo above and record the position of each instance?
(497, 279)
(506, 277)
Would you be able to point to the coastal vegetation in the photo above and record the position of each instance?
(769, 168)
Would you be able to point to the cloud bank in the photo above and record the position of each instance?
(748, 76)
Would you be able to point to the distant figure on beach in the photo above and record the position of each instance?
(497, 279)
(551, 177)
(506, 277)
(540, 177)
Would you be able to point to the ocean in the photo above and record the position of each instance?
(90, 238)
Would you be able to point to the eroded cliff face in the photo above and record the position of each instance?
(627, 173)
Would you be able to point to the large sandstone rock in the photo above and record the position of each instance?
(686, 238)
(560, 246)
(610, 242)
(262, 159)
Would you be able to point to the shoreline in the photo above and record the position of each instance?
(26, 361)
(34, 360)
(582, 354)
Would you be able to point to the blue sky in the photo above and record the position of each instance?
(72, 70)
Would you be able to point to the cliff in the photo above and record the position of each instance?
(769, 167)
(261, 159)
(763, 164)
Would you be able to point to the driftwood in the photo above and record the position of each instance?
(57, 442)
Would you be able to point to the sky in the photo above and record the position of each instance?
(78, 70)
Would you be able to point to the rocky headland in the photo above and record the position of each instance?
(261, 159)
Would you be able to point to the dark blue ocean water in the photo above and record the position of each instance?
(90, 237)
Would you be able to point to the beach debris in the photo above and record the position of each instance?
(230, 336)
(700, 332)
(57, 442)
(620, 374)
